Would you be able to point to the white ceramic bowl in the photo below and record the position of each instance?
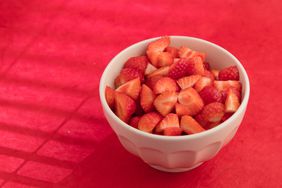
(176, 153)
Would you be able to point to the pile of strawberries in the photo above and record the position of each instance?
(173, 91)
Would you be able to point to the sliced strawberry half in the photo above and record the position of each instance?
(131, 88)
(151, 81)
(124, 106)
(213, 112)
(127, 74)
(179, 69)
(202, 82)
(110, 96)
(210, 94)
(147, 98)
(173, 51)
(165, 84)
(164, 103)
(159, 45)
(163, 71)
(188, 81)
(140, 63)
(153, 57)
(165, 59)
(225, 85)
(134, 121)
(190, 125)
(149, 121)
(196, 66)
(191, 99)
(232, 102)
(172, 131)
(229, 73)
(170, 120)
(184, 52)
(150, 68)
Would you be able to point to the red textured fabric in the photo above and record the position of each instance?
(52, 54)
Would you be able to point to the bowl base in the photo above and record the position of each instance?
(175, 169)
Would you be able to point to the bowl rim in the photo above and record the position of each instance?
(240, 110)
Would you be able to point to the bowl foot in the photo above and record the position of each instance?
(175, 169)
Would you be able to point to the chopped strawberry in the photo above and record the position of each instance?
(153, 57)
(229, 73)
(131, 88)
(226, 116)
(202, 82)
(215, 73)
(196, 66)
(170, 120)
(149, 121)
(213, 112)
(151, 81)
(188, 81)
(163, 71)
(173, 131)
(173, 51)
(165, 84)
(191, 99)
(164, 103)
(164, 59)
(110, 96)
(159, 45)
(150, 68)
(210, 94)
(184, 52)
(182, 109)
(225, 85)
(127, 74)
(190, 125)
(198, 54)
(209, 74)
(207, 66)
(179, 69)
(201, 120)
(232, 102)
(124, 106)
(213, 124)
(140, 63)
(134, 121)
(147, 98)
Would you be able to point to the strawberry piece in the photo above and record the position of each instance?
(149, 121)
(209, 74)
(150, 68)
(164, 103)
(229, 73)
(163, 71)
(196, 66)
(215, 73)
(202, 82)
(124, 106)
(165, 84)
(213, 124)
(153, 57)
(173, 51)
(190, 125)
(179, 69)
(184, 52)
(147, 97)
(131, 88)
(140, 63)
(159, 45)
(188, 81)
(170, 120)
(173, 131)
(210, 94)
(226, 116)
(165, 59)
(110, 96)
(192, 100)
(207, 66)
(213, 112)
(225, 85)
(232, 102)
(134, 121)
(201, 120)
(127, 74)
(151, 81)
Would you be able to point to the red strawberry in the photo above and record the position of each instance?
(165, 84)
(131, 88)
(140, 63)
(184, 52)
(202, 82)
(201, 120)
(159, 45)
(225, 85)
(151, 81)
(147, 97)
(232, 102)
(124, 106)
(207, 66)
(163, 71)
(170, 120)
(153, 57)
(149, 121)
(164, 103)
(150, 68)
(190, 125)
(127, 74)
(210, 94)
(179, 69)
(229, 73)
(191, 99)
(213, 124)
(209, 74)
(134, 121)
(188, 81)
(215, 73)
(173, 131)
(110, 96)
(213, 112)
(196, 66)
(173, 51)
(226, 116)
(164, 59)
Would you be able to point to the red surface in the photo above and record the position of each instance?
(52, 54)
